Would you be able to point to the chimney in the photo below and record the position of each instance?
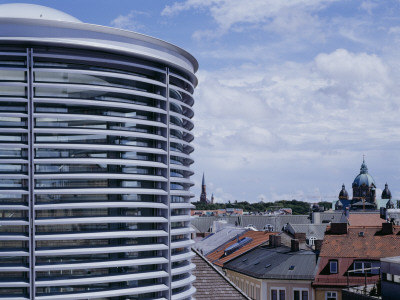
(301, 236)
(277, 240)
(316, 217)
(387, 228)
(338, 228)
(272, 240)
(318, 245)
(295, 245)
(347, 212)
(382, 212)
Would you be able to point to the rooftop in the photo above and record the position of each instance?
(212, 242)
(212, 284)
(275, 263)
(370, 244)
(361, 219)
(218, 258)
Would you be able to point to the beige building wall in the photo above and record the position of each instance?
(249, 285)
(320, 293)
(261, 289)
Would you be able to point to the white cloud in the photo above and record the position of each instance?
(368, 6)
(294, 120)
(128, 21)
(236, 15)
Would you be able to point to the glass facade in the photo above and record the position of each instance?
(95, 156)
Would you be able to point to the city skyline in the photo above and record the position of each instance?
(318, 79)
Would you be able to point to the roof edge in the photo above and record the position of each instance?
(221, 274)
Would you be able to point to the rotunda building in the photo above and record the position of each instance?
(95, 160)
(364, 190)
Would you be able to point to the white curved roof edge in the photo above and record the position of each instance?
(180, 244)
(183, 256)
(181, 231)
(114, 249)
(102, 264)
(110, 293)
(95, 220)
(102, 279)
(184, 294)
(184, 269)
(182, 205)
(170, 50)
(183, 282)
(34, 11)
(14, 237)
(98, 205)
(97, 235)
(9, 284)
(14, 253)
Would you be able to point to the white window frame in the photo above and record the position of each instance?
(311, 240)
(302, 290)
(278, 289)
(333, 295)
(258, 292)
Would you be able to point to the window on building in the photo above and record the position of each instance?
(387, 276)
(396, 278)
(300, 295)
(331, 296)
(333, 266)
(362, 267)
(278, 294)
(258, 294)
(311, 240)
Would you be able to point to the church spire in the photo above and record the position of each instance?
(203, 196)
(364, 168)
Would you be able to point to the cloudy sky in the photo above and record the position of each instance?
(291, 93)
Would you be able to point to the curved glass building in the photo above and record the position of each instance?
(95, 156)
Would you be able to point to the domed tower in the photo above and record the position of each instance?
(343, 195)
(386, 194)
(364, 189)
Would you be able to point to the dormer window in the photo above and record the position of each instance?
(333, 266)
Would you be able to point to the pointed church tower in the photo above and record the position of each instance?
(203, 196)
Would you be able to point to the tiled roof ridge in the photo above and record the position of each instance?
(221, 274)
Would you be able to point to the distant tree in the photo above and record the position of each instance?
(298, 207)
(325, 204)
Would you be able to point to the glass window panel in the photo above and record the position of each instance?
(12, 75)
(13, 91)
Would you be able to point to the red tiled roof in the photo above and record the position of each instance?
(371, 245)
(345, 248)
(258, 238)
(365, 220)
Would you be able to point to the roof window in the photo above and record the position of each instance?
(236, 246)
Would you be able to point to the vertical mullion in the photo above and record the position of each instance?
(31, 170)
(168, 187)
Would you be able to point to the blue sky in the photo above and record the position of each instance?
(291, 93)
